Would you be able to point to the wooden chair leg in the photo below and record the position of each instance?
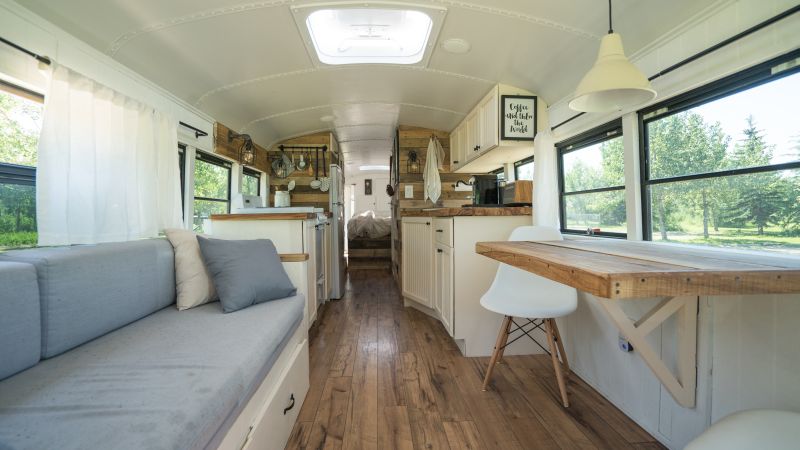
(505, 340)
(556, 365)
(502, 336)
(560, 347)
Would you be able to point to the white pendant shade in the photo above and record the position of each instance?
(613, 83)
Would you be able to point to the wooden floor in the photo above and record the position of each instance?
(384, 376)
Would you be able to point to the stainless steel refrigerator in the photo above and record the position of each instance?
(338, 262)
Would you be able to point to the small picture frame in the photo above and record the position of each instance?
(368, 186)
(518, 117)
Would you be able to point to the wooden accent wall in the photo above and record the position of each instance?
(231, 150)
(303, 194)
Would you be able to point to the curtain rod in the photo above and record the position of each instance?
(705, 52)
(197, 132)
(40, 58)
(290, 148)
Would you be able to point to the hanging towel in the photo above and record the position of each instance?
(430, 177)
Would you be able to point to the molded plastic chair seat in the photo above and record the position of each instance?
(518, 293)
(752, 429)
(542, 299)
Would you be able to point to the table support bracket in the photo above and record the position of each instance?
(682, 385)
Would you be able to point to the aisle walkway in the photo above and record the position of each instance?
(384, 376)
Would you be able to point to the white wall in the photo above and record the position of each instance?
(750, 342)
(379, 201)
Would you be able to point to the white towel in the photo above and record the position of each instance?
(433, 162)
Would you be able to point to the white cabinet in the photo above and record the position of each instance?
(455, 148)
(443, 285)
(489, 126)
(473, 131)
(475, 145)
(417, 256)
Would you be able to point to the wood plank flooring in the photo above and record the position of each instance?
(388, 377)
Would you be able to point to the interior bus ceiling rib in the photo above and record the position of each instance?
(246, 63)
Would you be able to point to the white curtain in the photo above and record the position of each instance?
(108, 165)
(545, 181)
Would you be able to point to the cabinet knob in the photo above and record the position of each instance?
(438, 250)
(427, 223)
(440, 231)
(455, 162)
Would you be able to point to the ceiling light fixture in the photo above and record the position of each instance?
(456, 46)
(613, 83)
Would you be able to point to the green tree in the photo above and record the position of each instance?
(19, 138)
(683, 144)
(759, 196)
(20, 121)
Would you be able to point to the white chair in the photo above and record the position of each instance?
(752, 429)
(517, 293)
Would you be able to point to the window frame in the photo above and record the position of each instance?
(724, 87)
(606, 132)
(210, 159)
(519, 163)
(248, 172)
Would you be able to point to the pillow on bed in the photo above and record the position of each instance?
(192, 281)
(245, 272)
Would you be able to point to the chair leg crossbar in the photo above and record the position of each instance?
(556, 348)
(536, 326)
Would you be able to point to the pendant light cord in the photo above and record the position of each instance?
(610, 28)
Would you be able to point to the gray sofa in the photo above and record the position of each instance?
(93, 353)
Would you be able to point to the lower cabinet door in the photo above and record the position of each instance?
(443, 292)
(417, 255)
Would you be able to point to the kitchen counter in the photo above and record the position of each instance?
(471, 211)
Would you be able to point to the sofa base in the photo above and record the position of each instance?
(267, 420)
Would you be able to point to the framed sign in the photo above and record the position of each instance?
(518, 117)
(368, 186)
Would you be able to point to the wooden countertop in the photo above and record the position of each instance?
(276, 216)
(625, 269)
(471, 211)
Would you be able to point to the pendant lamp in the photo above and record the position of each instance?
(613, 83)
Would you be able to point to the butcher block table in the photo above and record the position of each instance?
(616, 269)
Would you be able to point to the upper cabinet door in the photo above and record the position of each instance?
(455, 149)
(490, 127)
(473, 134)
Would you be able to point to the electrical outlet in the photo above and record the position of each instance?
(624, 345)
(409, 191)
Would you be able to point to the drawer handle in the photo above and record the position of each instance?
(440, 231)
(438, 250)
(291, 405)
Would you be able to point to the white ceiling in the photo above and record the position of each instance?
(246, 65)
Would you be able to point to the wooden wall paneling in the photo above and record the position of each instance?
(231, 149)
(303, 194)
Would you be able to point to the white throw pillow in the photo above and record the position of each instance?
(193, 283)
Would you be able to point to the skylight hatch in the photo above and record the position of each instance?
(370, 35)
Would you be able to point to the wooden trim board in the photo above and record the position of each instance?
(277, 216)
(294, 257)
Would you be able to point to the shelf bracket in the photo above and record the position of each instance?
(681, 386)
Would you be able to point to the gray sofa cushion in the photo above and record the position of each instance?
(245, 272)
(89, 290)
(20, 324)
(168, 381)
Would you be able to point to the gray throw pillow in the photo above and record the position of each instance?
(245, 272)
